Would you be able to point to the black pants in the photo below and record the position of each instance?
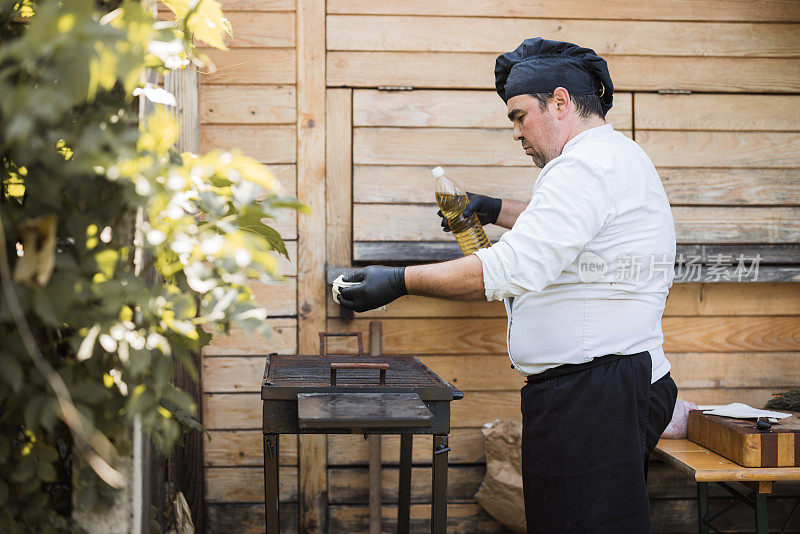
(586, 441)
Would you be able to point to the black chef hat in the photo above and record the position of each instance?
(540, 65)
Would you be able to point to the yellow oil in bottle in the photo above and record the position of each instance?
(452, 200)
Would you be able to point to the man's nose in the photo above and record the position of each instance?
(517, 133)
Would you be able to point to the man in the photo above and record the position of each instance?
(584, 271)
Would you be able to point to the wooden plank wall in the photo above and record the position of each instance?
(726, 152)
(251, 103)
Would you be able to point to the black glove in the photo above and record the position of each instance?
(487, 209)
(379, 286)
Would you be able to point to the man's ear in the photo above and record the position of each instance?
(561, 101)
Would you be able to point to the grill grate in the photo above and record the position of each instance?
(314, 371)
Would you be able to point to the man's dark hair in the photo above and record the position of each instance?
(585, 105)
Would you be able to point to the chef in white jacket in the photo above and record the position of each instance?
(584, 272)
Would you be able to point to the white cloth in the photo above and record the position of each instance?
(586, 269)
(338, 284)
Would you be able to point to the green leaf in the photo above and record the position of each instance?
(11, 371)
(45, 471)
(107, 261)
(291, 203)
(44, 309)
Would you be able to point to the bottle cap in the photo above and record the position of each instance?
(437, 172)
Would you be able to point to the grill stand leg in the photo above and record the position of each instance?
(702, 507)
(404, 497)
(271, 482)
(761, 512)
(439, 505)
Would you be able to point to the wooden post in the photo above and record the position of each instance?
(311, 255)
(185, 466)
(375, 447)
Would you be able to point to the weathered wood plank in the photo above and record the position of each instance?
(721, 149)
(284, 340)
(246, 448)
(350, 485)
(257, 5)
(248, 66)
(225, 374)
(414, 183)
(731, 334)
(311, 290)
(471, 372)
(339, 176)
(718, 112)
(400, 33)
(346, 484)
(452, 109)
(462, 518)
(252, 29)
(668, 516)
(466, 447)
(267, 144)
(473, 146)
(743, 186)
(287, 176)
(736, 225)
(248, 104)
(698, 299)
(684, 185)
(458, 70)
(246, 484)
(736, 370)
(232, 411)
(247, 518)
(229, 448)
(403, 222)
(428, 146)
(733, 299)
(777, 264)
(438, 146)
(487, 335)
(279, 298)
(720, 10)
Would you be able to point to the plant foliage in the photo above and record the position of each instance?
(119, 256)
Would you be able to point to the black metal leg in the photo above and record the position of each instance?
(760, 500)
(271, 483)
(439, 504)
(404, 489)
(702, 507)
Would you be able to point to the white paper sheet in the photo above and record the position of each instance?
(738, 410)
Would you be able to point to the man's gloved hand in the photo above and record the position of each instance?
(487, 209)
(378, 286)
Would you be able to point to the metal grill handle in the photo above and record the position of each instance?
(324, 335)
(351, 365)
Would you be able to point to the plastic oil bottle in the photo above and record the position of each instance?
(452, 200)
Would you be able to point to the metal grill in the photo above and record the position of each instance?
(314, 371)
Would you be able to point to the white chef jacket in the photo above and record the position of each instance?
(586, 269)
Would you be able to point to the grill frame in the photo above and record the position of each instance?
(311, 374)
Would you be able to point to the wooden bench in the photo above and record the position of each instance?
(707, 467)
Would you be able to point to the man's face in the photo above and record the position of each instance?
(536, 129)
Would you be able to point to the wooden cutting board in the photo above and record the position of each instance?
(740, 441)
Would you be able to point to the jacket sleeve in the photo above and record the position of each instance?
(570, 205)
